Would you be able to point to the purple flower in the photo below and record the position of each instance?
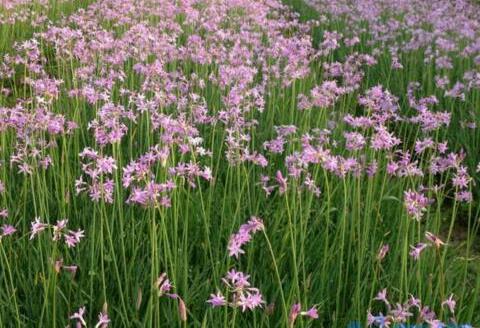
(417, 250)
(103, 320)
(312, 313)
(250, 301)
(242, 295)
(7, 230)
(416, 204)
(243, 236)
(163, 284)
(217, 300)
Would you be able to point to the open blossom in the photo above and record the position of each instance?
(7, 230)
(380, 320)
(241, 293)
(98, 171)
(58, 229)
(434, 239)
(312, 313)
(354, 140)
(296, 310)
(250, 300)
(163, 284)
(154, 83)
(450, 303)
(417, 250)
(383, 139)
(37, 227)
(78, 316)
(72, 238)
(400, 313)
(404, 312)
(382, 296)
(416, 204)
(4, 213)
(103, 320)
(326, 94)
(217, 300)
(243, 236)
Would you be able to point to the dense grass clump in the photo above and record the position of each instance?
(239, 163)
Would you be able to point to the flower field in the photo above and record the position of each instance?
(239, 163)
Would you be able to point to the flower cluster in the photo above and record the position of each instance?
(410, 311)
(241, 294)
(60, 231)
(99, 170)
(243, 236)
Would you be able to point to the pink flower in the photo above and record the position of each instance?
(382, 296)
(450, 303)
(416, 204)
(73, 237)
(417, 250)
(163, 284)
(4, 213)
(312, 313)
(282, 182)
(103, 320)
(7, 230)
(243, 236)
(217, 300)
(58, 229)
(79, 316)
(434, 239)
(294, 312)
(242, 295)
(37, 227)
(250, 300)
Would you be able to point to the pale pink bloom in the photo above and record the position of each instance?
(103, 320)
(74, 237)
(450, 303)
(417, 250)
(217, 300)
(7, 230)
(382, 296)
(79, 316)
(58, 229)
(294, 312)
(434, 239)
(37, 227)
(312, 313)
